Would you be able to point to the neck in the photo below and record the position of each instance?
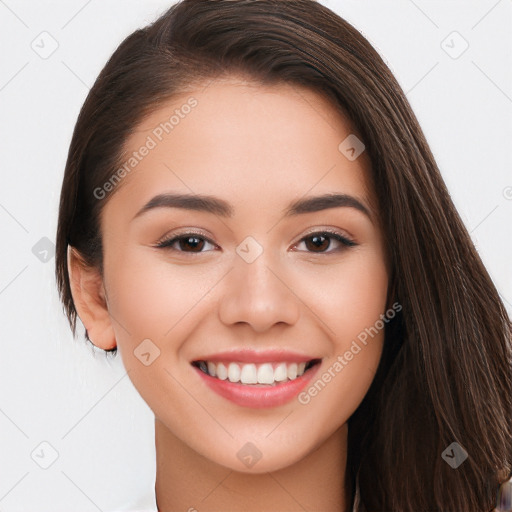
(187, 481)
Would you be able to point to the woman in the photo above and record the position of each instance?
(251, 214)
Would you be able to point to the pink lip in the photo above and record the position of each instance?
(258, 396)
(252, 356)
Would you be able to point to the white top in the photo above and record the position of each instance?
(145, 503)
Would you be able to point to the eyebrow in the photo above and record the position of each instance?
(216, 206)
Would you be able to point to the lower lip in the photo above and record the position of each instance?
(258, 396)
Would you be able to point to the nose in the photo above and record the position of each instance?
(259, 294)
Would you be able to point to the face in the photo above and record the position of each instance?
(259, 282)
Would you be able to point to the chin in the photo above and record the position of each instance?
(270, 460)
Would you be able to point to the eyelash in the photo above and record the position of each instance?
(346, 242)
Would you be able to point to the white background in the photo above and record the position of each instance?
(59, 390)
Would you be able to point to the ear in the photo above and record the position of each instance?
(90, 301)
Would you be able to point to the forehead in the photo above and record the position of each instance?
(247, 142)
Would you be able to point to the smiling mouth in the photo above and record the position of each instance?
(255, 374)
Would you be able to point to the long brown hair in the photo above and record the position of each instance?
(445, 372)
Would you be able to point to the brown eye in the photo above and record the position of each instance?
(320, 242)
(189, 242)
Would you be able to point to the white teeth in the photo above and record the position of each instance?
(266, 373)
(292, 371)
(234, 372)
(211, 368)
(222, 372)
(280, 373)
(248, 374)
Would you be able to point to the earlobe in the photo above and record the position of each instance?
(90, 301)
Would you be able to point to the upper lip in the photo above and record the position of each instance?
(257, 356)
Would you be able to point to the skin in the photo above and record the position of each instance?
(259, 148)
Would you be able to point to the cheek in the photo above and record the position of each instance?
(150, 297)
(352, 302)
(340, 386)
(350, 296)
